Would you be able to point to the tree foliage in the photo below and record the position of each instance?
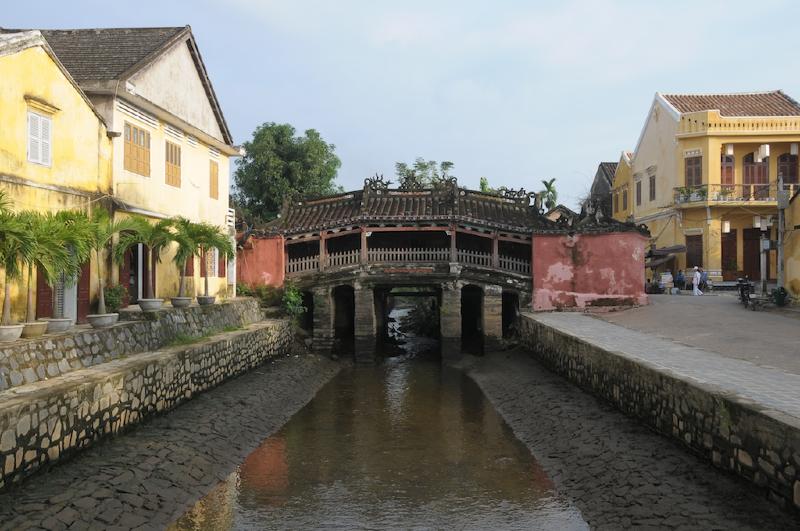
(422, 173)
(277, 164)
(549, 194)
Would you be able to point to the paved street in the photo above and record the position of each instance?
(718, 323)
(619, 473)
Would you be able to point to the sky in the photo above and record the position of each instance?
(516, 91)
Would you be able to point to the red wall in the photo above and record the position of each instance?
(261, 262)
(588, 270)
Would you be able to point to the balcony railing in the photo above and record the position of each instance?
(310, 264)
(731, 192)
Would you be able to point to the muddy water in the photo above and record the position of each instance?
(407, 444)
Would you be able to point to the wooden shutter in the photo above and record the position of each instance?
(221, 263)
(34, 145)
(787, 167)
(213, 182)
(652, 188)
(45, 125)
(136, 150)
(44, 297)
(638, 193)
(84, 296)
(694, 251)
(625, 198)
(189, 271)
(694, 171)
(173, 164)
(727, 169)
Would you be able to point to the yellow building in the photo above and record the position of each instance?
(705, 171)
(55, 152)
(171, 145)
(792, 246)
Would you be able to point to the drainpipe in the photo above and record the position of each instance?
(782, 202)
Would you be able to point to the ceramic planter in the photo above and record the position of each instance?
(202, 300)
(150, 305)
(58, 325)
(11, 332)
(181, 302)
(102, 320)
(34, 329)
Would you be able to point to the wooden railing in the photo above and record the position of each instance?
(344, 258)
(731, 192)
(310, 264)
(414, 254)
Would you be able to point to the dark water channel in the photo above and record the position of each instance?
(407, 444)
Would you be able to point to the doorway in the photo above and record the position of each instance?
(472, 320)
(751, 248)
(730, 264)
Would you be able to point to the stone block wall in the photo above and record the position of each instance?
(28, 361)
(43, 423)
(761, 446)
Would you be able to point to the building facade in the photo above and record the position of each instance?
(705, 174)
(55, 154)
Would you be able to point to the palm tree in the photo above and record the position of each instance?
(48, 252)
(186, 235)
(76, 237)
(212, 237)
(550, 194)
(15, 243)
(103, 231)
(154, 236)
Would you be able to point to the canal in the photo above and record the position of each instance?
(405, 444)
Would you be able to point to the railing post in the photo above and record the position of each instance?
(453, 252)
(495, 250)
(364, 256)
(322, 251)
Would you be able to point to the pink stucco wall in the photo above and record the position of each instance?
(588, 271)
(261, 262)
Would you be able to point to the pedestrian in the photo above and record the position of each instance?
(696, 281)
(703, 279)
(680, 280)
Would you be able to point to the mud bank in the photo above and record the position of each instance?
(618, 473)
(151, 475)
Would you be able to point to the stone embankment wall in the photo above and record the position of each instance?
(760, 445)
(28, 361)
(47, 421)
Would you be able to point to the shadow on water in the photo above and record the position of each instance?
(405, 444)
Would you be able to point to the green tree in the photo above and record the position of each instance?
(277, 164)
(186, 236)
(209, 237)
(422, 173)
(485, 188)
(103, 229)
(15, 242)
(549, 194)
(153, 236)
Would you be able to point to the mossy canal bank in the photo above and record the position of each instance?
(150, 475)
(616, 471)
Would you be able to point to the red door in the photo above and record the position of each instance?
(752, 256)
(84, 293)
(730, 267)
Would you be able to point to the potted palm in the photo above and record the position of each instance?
(210, 237)
(185, 236)
(154, 237)
(15, 242)
(75, 233)
(49, 255)
(103, 229)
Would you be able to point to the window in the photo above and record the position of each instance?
(616, 201)
(787, 168)
(755, 177)
(40, 130)
(726, 168)
(694, 171)
(173, 167)
(638, 193)
(213, 181)
(652, 188)
(137, 150)
(625, 199)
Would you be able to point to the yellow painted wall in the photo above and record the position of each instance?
(622, 181)
(80, 171)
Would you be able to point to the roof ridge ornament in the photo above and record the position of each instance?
(376, 183)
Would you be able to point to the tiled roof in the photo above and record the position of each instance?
(774, 103)
(607, 170)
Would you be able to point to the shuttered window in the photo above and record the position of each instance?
(137, 150)
(213, 181)
(726, 169)
(625, 199)
(652, 188)
(694, 171)
(638, 193)
(173, 164)
(787, 168)
(40, 130)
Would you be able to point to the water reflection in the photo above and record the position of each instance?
(406, 444)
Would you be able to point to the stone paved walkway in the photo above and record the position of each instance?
(148, 477)
(771, 388)
(720, 324)
(619, 473)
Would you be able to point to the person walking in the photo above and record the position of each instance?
(696, 281)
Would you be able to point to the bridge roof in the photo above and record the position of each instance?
(508, 210)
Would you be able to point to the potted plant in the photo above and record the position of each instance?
(702, 193)
(154, 237)
(185, 236)
(684, 192)
(103, 230)
(75, 226)
(49, 255)
(14, 243)
(211, 237)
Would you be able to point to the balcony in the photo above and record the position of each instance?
(718, 194)
(311, 264)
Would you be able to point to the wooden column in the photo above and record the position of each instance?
(364, 254)
(453, 251)
(323, 252)
(495, 251)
